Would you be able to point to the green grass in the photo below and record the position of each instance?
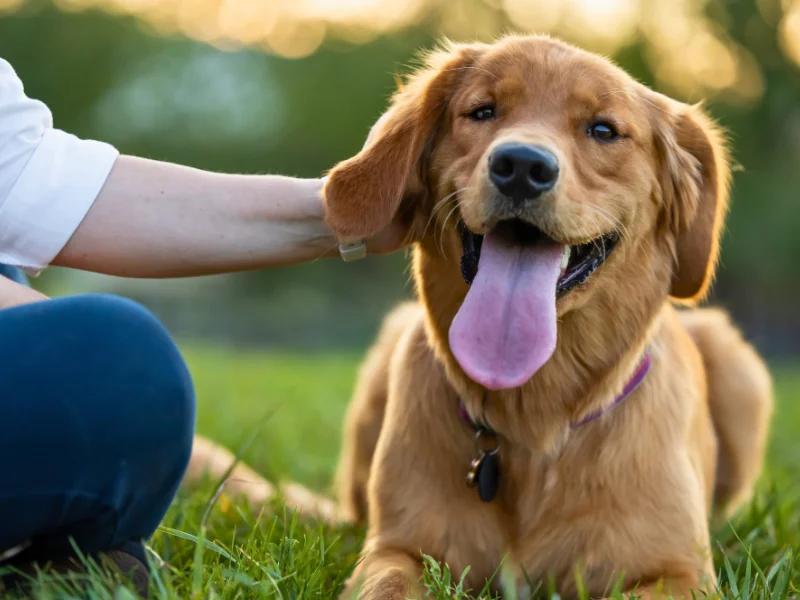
(294, 405)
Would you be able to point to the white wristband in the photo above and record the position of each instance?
(352, 250)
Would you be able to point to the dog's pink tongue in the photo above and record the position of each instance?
(506, 327)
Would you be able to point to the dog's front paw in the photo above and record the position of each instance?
(391, 584)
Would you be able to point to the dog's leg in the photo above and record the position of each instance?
(212, 460)
(362, 428)
(740, 399)
(365, 415)
(418, 498)
(385, 575)
(678, 588)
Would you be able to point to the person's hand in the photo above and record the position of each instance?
(394, 236)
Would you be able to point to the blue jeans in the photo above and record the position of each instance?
(96, 423)
(13, 274)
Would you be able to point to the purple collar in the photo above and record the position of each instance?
(633, 383)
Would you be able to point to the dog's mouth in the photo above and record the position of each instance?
(578, 261)
(506, 327)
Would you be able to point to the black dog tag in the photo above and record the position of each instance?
(484, 473)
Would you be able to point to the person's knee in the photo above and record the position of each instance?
(144, 369)
(104, 415)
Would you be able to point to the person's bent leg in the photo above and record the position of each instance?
(96, 424)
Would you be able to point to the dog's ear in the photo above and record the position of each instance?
(363, 193)
(695, 179)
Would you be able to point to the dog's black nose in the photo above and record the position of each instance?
(523, 172)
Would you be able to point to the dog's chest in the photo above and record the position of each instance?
(559, 518)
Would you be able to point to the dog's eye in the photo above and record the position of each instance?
(602, 131)
(483, 113)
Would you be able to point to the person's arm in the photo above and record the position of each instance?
(155, 219)
(77, 203)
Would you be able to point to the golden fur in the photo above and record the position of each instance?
(629, 495)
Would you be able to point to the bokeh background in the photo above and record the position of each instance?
(292, 87)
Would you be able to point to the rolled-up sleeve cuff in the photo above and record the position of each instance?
(51, 197)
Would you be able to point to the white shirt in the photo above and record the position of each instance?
(48, 178)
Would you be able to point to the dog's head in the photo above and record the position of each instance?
(569, 178)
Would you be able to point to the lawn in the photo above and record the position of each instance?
(291, 408)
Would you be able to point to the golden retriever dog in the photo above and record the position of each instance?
(545, 405)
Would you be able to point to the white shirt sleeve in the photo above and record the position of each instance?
(48, 178)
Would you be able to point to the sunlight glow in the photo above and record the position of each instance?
(689, 54)
(790, 32)
(608, 23)
(534, 15)
(9, 5)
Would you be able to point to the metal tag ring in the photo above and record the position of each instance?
(483, 431)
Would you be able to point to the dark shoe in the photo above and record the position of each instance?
(117, 562)
(131, 567)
